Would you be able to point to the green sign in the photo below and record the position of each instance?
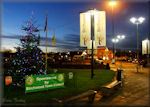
(43, 82)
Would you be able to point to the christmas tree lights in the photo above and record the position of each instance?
(28, 58)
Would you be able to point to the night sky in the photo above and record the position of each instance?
(64, 18)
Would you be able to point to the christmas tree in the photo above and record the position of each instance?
(28, 59)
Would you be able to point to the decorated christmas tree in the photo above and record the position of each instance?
(28, 59)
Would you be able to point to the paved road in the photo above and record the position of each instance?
(135, 91)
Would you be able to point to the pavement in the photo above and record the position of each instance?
(135, 89)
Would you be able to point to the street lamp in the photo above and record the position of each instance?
(87, 21)
(121, 37)
(137, 21)
(114, 40)
(112, 4)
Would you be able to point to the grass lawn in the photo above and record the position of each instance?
(81, 82)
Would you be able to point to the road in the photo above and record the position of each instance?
(135, 91)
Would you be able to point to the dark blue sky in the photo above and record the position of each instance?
(64, 18)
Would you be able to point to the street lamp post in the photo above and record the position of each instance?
(88, 19)
(112, 4)
(121, 37)
(92, 31)
(115, 40)
(137, 22)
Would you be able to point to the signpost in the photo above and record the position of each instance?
(70, 75)
(85, 29)
(99, 25)
(43, 82)
(146, 47)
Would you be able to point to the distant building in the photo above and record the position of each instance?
(104, 53)
(75, 57)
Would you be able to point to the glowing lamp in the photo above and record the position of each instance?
(133, 19)
(8, 80)
(141, 19)
(112, 3)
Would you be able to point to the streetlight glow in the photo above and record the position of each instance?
(118, 36)
(121, 36)
(133, 19)
(112, 3)
(115, 40)
(141, 19)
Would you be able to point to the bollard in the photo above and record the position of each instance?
(119, 71)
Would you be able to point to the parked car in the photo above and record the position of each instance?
(135, 61)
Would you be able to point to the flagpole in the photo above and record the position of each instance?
(53, 40)
(46, 45)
